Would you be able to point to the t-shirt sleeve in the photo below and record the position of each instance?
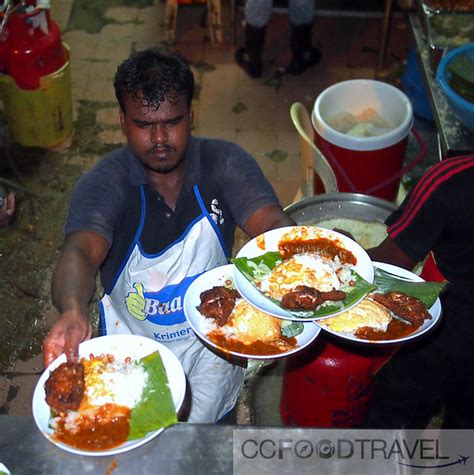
(418, 223)
(95, 203)
(244, 185)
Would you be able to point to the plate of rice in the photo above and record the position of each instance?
(123, 392)
(224, 320)
(412, 310)
(303, 273)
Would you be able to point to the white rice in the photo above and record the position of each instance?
(367, 123)
(123, 384)
(367, 233)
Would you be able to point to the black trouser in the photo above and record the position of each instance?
(434, 372)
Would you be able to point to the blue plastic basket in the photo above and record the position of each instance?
(464, 110)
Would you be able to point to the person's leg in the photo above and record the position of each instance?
(301, 19)
(257, 16)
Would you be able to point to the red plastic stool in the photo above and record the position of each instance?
(330, 383)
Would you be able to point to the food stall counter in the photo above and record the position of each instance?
(181, 448)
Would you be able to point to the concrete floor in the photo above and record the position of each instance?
(229, 105)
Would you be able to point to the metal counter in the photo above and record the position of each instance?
(454, 138)
(180, 449)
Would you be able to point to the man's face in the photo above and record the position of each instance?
(159, 138)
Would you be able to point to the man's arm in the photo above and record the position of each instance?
(268, 217)
(389, 252)
(72, 288)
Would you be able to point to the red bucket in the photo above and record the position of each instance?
(330, 384)
(371, 165)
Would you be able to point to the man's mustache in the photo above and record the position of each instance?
(159, 148)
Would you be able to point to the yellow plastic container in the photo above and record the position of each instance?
(40, 117)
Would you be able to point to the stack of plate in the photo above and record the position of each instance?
(240, 276)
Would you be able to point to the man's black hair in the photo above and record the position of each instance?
(152, 76)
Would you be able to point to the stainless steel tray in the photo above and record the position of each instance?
(340, 205)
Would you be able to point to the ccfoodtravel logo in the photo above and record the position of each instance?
(382, 453)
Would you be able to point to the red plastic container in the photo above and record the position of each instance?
(362, 163)
(35, 48)
(330, 384)
(430, 271)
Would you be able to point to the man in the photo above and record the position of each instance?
(436, 371)
(152, 216)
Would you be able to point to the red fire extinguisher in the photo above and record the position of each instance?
(330, 384)
(35, 47)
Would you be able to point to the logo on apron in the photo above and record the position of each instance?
(164, 307)
(216, 213)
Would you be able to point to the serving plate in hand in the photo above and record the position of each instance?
(434, 310)
(224, 276)
(268, 242)
(121, 347)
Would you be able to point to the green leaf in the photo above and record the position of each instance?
(253, 270)
(258, 266)
(156, 409)
(290, 329)
(427, 292)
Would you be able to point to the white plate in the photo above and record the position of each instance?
(224, 276)
(120, 346)
(268, 242)
(435, 311)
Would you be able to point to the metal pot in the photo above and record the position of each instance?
(340, 205)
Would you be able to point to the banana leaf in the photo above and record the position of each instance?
(427, 292)
(156, 409)
(290, 329)
(256, 268)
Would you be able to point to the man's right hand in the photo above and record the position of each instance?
(65, 335)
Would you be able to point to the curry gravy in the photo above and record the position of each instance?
(323, 246)
(258, 347)
(396, 329)
(105, 428)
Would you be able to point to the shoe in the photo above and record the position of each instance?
(304, 61)
(252, 68)
(249, 58)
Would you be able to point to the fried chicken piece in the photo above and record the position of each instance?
(308, 298)
(218, 303)
(65, 387)
(409, 308)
